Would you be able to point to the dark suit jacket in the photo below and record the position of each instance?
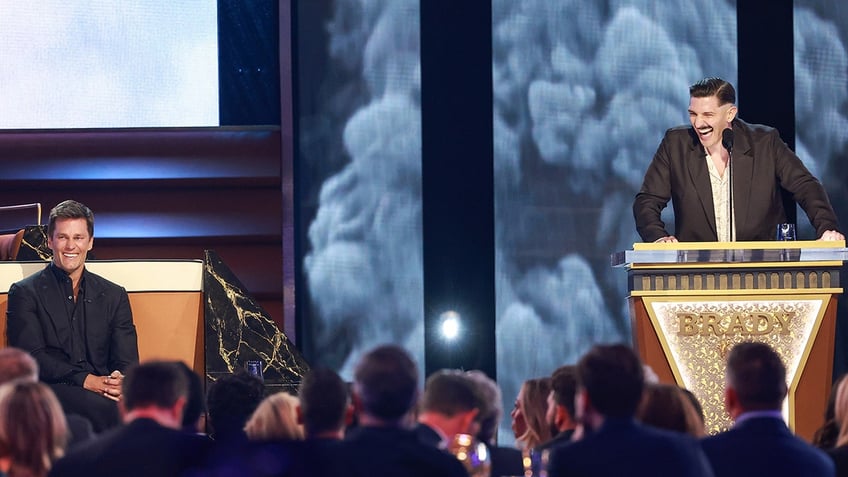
(393, 452)
(37, 322)
(764, 446)
(625, 447)
(840, 459)
(141, 448)
(762, 164)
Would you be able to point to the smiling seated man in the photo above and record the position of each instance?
(77, 325)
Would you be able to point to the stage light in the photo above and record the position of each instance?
(450, 325)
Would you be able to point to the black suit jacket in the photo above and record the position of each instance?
(625, 447)
(762, 165)
(764, 446)
(393, 452)
(141, 448)
(37, 323)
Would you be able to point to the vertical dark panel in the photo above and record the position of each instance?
(766, 89)
(248, 62)
(287, 139)
(458, 182)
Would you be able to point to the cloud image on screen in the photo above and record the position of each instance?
(102, 64)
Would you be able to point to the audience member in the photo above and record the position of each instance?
(760, 443)
(560, 413)
(839, 451)
(325, 406)
(449, 406)
(665, 406)
(610, 383)
(384, 393)
(77, 325)
(275, 419)
(825, 436)
(150, 442)
(529, 424)
(231, 401)
(505, 460)
(195, 408)
(33, 432)
(17, 365)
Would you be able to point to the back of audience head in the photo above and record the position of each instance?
(451, 402)
(33, 431)
(756, 379)
(385, 386)
(666, 406)
(16, 363)
(610, 381)
(491, 406)
(840, 412)
(195, 405)
(158, 387)
(325, 407)
(275, 419)
(827, 435)
(530, 411)
(230, 401)
(560, 414)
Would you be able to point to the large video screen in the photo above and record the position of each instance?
(108, 64)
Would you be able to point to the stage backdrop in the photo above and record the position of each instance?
(583, 92)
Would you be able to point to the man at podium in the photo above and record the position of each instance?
(724, 178)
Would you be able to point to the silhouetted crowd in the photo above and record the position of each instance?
(603, 416)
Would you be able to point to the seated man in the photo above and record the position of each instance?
(150, 442)
(77, 325)
(610, 381)
(449, 407)
(384, 394)
(760, 443)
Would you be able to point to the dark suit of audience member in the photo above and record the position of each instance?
(385, 391)
(150, 442)
(77, 325)
(760, 443)
(610, 383)
(505, 460)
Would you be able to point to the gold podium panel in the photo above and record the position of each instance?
(692, 302)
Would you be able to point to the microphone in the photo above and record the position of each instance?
(727, 142)
(727, 139)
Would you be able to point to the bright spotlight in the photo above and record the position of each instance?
(450, 325)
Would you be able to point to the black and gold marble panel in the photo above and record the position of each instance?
(34, 244)
(238, 330)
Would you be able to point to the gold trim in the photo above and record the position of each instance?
(802, 363)
(721, 265)
(762, 245)
(752, 294)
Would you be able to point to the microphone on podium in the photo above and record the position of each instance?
(727, 142)
(727, 139)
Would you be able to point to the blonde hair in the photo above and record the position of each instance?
(534, 406)
(33, 430)
(840, 412)
(275, 418)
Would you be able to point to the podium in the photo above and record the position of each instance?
(690, 303)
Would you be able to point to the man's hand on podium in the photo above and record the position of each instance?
(666, 239)
(831, 235)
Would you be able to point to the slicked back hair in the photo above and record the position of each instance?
(717, 87)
